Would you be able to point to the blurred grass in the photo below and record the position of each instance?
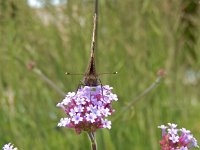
(135, 38)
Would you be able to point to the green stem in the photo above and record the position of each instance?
(139, 97)
(92, 138)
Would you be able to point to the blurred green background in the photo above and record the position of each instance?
(135, 38)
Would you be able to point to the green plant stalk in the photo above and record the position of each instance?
(92, 138)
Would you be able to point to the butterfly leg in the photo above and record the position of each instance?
(101, 88)
(79, 85)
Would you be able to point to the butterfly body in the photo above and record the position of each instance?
(90, 76)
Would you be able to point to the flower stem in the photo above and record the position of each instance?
(139, 97)
(92, 138)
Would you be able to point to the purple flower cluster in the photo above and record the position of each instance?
(176, 139)
(9, 146)
(87, 108)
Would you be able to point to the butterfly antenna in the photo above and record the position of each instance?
(67, 73)
(106, 73)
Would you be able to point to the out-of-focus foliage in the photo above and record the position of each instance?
(135, 38)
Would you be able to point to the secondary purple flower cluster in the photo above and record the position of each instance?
(9, 146)
(176, 139)
(87, 108)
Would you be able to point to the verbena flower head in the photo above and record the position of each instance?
(9, 146)
(87, 108)
(176, 139)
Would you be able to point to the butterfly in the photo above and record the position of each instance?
(91, 78)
